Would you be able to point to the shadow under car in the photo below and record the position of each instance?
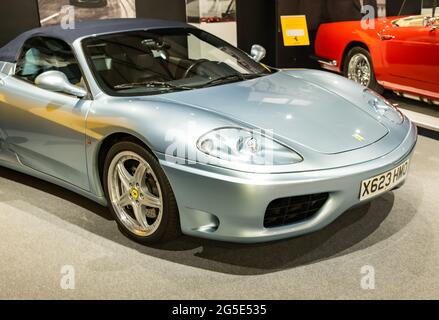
(351, 232)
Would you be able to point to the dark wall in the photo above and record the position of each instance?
(259, 22)
(162, 9)
(257, 25)
(17, 16)
(409, 7)
(341, 10)
(316, 12)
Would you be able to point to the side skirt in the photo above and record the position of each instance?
(29, 171)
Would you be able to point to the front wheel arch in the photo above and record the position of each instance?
(362, 50)
(168, 226)
(348, 48)
(111, 140)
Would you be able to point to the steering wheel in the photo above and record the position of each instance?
(193, 66)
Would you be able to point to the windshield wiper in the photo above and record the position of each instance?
(224, 79)
(167, 85)
(152, 84)
(233, 77)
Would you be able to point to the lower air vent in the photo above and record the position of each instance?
(287, 211)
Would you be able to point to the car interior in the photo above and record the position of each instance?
(135, 58)
(46, 54)
(414, 21)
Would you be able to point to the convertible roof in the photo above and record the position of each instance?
(11, 51)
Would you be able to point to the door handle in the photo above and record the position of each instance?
(386, 37)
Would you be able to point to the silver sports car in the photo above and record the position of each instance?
(178, 131)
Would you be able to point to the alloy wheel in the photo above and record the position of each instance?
(135, 193)
(360, 69)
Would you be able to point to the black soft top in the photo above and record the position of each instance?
(11, 51)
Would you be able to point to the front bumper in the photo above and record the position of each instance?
(230, 206)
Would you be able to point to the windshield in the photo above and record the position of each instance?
(429, 15)
(164, 60)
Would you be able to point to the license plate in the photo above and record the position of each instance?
(384, 182)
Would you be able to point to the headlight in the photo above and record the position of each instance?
(383, 107)
(242, 146)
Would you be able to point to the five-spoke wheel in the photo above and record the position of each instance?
(139, 194)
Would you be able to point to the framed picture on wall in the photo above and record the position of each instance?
(211, 11)
(52, 11)
(215, 16)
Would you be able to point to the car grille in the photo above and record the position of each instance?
(292, 210)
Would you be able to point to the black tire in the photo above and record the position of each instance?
(374, 85)
(169, 228)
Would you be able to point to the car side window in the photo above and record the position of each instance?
(41, 54)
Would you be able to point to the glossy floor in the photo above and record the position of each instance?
(44, 228)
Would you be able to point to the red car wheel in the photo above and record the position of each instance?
(358, 67)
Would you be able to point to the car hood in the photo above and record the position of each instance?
(298, 111)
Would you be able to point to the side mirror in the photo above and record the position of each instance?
(57, 81)
(258, 52)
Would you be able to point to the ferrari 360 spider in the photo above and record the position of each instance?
(178, 131)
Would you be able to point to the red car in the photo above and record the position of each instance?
(400, 54)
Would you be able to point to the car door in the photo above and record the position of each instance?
(46, 129)
(411, 53)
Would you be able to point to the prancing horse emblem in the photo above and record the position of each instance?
(359, 137)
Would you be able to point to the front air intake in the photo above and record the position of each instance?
(287, 211)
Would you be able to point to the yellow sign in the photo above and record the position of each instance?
(295, 31)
